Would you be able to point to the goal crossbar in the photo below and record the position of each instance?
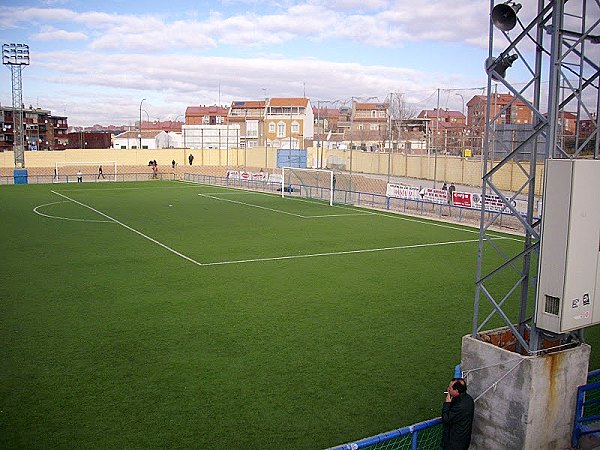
(312, 183)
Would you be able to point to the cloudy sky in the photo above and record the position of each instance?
(94, 61)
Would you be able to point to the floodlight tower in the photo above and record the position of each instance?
(525, 356)
(16, 57)
(562, 75)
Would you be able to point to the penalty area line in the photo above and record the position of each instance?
(166, 247)
(346, 252)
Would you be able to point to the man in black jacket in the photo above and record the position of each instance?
(457, 416)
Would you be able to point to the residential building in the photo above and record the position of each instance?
(41, 129)
(328, 132)
(149, 139)
(170, 126)
(250, 117)
(517, 113)
(369, 125)
(411, 135)
(89, 139)
(289, 123)
(206, 115)
(211, 136)
(445, 129)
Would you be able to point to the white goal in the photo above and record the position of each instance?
(309, 183)
(70, 172)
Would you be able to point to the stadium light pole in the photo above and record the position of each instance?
(140, 128)
(16, 58)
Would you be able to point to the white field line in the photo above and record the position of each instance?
(37, 211)
(279, 210)
(436, 224)
(276, 258)
(183, 186)
(346, 252)
(364, 213)
(166, 247)
(235, 190)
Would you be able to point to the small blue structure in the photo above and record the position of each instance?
(20, 176)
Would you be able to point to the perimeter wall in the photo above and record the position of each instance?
(441, 168)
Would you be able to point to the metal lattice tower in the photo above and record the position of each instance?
(16, 57)
(557, 50)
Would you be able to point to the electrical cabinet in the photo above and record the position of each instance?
(568, 293)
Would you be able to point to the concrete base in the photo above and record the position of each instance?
(522, 402)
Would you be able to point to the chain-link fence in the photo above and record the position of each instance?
(421, 436)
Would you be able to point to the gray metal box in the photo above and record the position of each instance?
(568, 294)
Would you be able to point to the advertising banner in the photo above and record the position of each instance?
(464, 199)
(402, 191)
(259, 176)
(435, 195)
(275, 178)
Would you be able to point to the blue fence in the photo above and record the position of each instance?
(423, 435)
(587, 411)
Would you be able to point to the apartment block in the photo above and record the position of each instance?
(41, 129)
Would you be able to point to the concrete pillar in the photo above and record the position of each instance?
(522, 402)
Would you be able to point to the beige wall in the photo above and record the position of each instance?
(449, 169)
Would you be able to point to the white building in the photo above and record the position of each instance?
(151, 139)
(211, 136)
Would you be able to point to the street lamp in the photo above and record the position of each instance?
(463, 102)
(140, 133)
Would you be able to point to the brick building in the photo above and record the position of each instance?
(41, 129)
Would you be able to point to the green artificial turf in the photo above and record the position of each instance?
(165, 318)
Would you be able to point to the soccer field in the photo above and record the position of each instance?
(174, 315)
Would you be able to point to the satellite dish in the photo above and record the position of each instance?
(504, 15)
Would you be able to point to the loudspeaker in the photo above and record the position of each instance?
(498, 66)
(504, 15)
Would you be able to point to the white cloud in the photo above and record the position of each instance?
(165, 58)
(53, 34)
(390, 24)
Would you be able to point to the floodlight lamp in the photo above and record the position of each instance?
(15, 54)
(497, 66)
(504, 15)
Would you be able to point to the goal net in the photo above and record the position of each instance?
(69, 172)
(309, 183)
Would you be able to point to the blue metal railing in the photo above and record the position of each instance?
(412, 430)
(587, 410)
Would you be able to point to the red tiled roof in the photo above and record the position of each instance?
(206, 110)
(251, 104)
(443, 113)
(291, 101)
(370, 106)
(326, 112)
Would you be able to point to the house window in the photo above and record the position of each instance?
(295, 127)
(381, 114)
(281, 129)
(373, 114)
(219, 119)
(252, 128)
(361, 126)
(272, 127)
(374, 127)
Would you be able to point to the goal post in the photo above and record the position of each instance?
(309, 183)
(65, 172)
